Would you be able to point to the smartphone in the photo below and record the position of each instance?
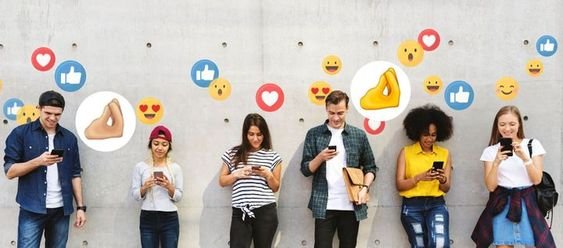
(158, 174)
(506, 144)
(256, 167)
(332, 148)
(58, 152)
(437, 165)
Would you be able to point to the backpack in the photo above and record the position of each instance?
(546, 194)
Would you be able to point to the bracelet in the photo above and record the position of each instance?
(364, 186)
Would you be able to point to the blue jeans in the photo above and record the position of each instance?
(32, 225)
(343, 221)
(426, 221)
(159, 227)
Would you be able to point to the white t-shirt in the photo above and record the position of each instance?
(337, 194)
(512, 171)
(54, 197)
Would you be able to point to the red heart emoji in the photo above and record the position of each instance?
(155, 108)
(315, 90)
(143, 107)
(326, 90)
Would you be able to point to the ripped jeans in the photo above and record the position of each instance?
(426, 221)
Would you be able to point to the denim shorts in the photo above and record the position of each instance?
(506, 232)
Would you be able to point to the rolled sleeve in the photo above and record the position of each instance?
(179, 184)
(13, 152)
(309, 154)
(136, 183)
(367, 159)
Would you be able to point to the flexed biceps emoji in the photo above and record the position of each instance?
(376, 98)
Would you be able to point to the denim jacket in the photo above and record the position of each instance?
(29, 141)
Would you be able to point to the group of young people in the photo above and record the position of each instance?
(47, 183)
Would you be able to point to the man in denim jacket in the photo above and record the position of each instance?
(46, 182)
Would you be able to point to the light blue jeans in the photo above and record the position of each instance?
(426, 221)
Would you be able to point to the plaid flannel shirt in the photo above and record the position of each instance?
(358, 155)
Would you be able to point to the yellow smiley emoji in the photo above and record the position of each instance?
(507, 88)
(318, 92)
(410, 53)
(220, 89)
(149, 110)
(27, 114)
(534, 67)
(432, 84)
(331, 64)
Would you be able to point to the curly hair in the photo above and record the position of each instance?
(419, 119)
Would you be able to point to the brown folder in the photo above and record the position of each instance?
(354, 179)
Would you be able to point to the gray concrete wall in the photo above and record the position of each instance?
(254, 42)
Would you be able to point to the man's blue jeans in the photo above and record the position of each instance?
(426, 221)
(31, 226)
(159, 227)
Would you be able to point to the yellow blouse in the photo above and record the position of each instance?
(416, 162)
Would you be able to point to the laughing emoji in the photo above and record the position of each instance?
(331, 64)
(27, 114)
(534, 67)
(432, 84)
(507, 88)
(410, 53)
(318, 91)
(149, 110)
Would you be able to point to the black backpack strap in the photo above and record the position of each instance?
(530, 147)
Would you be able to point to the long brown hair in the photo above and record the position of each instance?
(243, 149)
(495, 135)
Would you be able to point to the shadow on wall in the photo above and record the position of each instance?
(385, 210)
(215, 219)
(295, 217)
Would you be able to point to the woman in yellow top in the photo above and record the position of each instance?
(420, 179)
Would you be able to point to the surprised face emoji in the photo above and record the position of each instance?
(410, 53)
(27, 114)
(220, 89)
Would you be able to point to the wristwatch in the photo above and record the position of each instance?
(83, 208)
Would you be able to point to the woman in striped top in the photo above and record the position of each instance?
(254, 170)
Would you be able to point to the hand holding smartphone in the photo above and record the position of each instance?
(506, 144)
(58, 152)
(437, 165)
(332, 148)
(158, 174)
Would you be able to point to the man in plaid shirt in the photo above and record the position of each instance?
(328, 148)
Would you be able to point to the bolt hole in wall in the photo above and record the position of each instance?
(13, 243)
(525, 117)
(226, 120)
(300, 43)
(1, 46)
(84, 243)
(74, 45)
(375, 43)
(451, 42)
(301, 120)
(224, 44)
(149, 45)
(526, 42)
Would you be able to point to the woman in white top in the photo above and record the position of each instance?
(254, 170)
(158, 183)
(512, 216)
